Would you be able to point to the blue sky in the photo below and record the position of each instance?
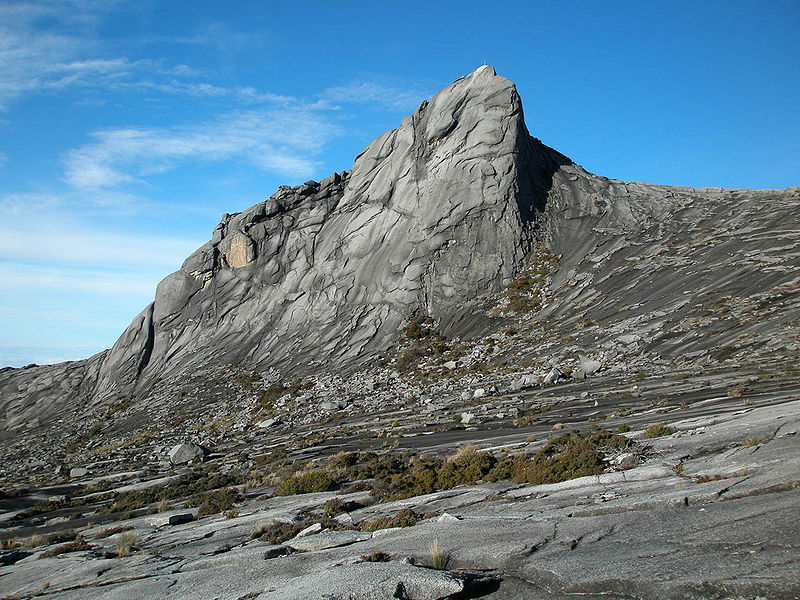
(128, 128)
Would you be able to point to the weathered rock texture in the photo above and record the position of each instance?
(433, 215)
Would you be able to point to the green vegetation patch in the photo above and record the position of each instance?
(215, 501)
(403, 518)
(187, 485)
(421, 340)
(565, 457)
(399, 476)
(523, 294)
(658, 430)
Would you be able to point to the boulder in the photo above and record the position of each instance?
(276, 551)
(626, 460)
(554, 375)
(186, 453)
(589, 366)
(78, 472)
(180, 519)
(447, 518)
(524, 381)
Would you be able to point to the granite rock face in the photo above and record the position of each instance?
(433, 213)
(432, 217)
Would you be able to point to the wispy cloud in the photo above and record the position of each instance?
(54, 280)
(67, 54)
(58, 241)
(3, 159)
(34, 58)
(282, 140)
(243, 94)
(393, 95)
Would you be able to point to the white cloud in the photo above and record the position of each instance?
(50, 280)
(390, 95)
(68, 54)
(3, 159)
(281, 140)
(61, 242)
(36, 59)
(243, 94)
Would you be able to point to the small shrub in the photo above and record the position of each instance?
(376, 557)
(564, 457)
(678, 469)
(524, 291)
(186, 485)
(623, 428)
(9, 544)
(231, 513)
(78, 545)
(558, 427)
(750, 442)
(439, 559)
(468, 466)
(333, 507)
(35, 541)
(112, 531)
(215, 501)
(59, 537)
(703, 478)
(278, 532)
(125, 542)
(319, 480)
(275, 392)
(419, 327)
(658, 430)
(524, 420)
(403, 518)
(737, 391)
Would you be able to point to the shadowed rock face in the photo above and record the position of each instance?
(432, 213)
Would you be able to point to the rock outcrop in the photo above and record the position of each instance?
(432, 217)
(432, 213)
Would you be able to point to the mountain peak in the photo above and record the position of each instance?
(484, 69)
(432, 214)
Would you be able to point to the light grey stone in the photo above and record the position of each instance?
(327, 539)
(370, 581)
(185, 453)
(310, 530)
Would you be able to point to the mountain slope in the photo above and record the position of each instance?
(435, 217)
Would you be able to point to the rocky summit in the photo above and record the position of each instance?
(463, 368)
